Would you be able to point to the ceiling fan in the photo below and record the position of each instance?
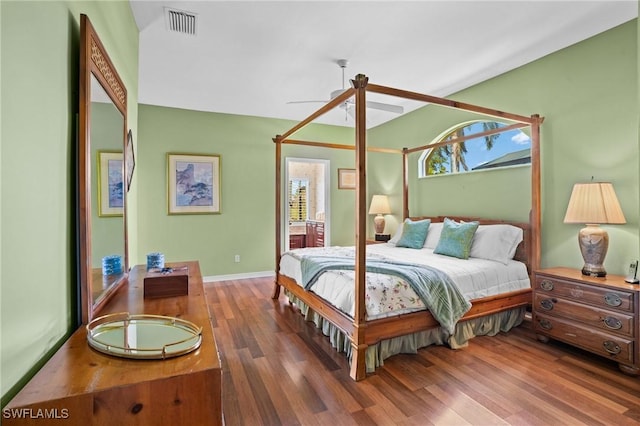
(349, 104)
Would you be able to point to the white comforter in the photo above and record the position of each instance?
(390, 295)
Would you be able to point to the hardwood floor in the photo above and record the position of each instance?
(278, 369)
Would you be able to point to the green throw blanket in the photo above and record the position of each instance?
(436, 290)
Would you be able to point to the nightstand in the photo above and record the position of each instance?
(370, 241)
(599, 315)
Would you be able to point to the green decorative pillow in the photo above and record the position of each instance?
(414, 233)
(456, 238)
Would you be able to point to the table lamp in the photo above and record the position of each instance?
(593, 204)
(379, 206)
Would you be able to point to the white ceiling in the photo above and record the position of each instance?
(252, 57)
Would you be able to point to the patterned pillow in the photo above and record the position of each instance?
(414, 233)
(456, 238)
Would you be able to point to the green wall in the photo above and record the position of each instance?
(588, 94)
(246, 224)
(39, 86)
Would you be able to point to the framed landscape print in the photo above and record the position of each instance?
(346, 178)
(110, 183)
(193, 183)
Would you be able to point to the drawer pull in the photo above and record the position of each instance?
(612, 299)
(547, 304)
(611, 347)
(612, 323)
(546, 285)
(546, 324)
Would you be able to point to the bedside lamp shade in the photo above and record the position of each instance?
(379, 206)
(593, 204)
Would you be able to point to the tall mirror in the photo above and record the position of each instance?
(102, 188)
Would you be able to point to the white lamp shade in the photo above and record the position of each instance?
(594, 203)
(379, 205)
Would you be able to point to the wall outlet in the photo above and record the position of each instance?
(237, 258)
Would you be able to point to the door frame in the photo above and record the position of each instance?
(327, 198)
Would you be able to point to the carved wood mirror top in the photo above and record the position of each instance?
(102, 230)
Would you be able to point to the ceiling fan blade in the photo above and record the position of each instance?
(385, 107)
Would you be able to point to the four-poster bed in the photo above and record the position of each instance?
(357, 334)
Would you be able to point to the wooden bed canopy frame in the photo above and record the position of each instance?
(359, 331)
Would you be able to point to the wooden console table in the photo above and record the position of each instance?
(81, 386)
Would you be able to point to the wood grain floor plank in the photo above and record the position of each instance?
(437, 411)
(266, 407)
(227, 301)
(516, 390)
(628, 396)
(273, 386)
(280, 369)
(397, 393)
(360, 397)
(409, 369)
(467, 408)
(361, 417)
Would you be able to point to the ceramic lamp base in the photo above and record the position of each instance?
(378, 223)
(594, 243)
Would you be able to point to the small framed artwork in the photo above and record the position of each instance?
(130, 159)
(110, 183)
(193, 183)
(346, 178)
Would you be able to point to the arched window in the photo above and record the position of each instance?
(509, 148)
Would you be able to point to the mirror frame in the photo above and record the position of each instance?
(95, 61)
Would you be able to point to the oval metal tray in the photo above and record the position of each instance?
(143, 336)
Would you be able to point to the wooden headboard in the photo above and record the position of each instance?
(523, 252)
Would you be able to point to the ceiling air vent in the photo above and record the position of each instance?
(180, 21)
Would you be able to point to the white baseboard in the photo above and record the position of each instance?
(260, 274)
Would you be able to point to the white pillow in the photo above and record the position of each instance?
(496, 242)
(396, 237)
(433, 236)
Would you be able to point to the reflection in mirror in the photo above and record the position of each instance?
(102, 225)
(107, 195)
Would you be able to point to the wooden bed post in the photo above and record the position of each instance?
(358, 345)
(361, 331)
(536, 209)
(405, 183)
(278, 142)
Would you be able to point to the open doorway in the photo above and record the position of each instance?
(306, 203)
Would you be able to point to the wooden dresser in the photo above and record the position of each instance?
(599, 315)
(315, 234)
(297, 241)
(81, 386)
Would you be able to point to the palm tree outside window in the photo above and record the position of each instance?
(509, 148)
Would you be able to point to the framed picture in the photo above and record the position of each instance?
(130, 159)
(346, 178)
(194, 183)
(110, 184)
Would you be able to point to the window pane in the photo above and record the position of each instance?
(298, 200)
(498, 150)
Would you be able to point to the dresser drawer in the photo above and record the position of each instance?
(607, 320)
(609, 345)
(598, 296)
